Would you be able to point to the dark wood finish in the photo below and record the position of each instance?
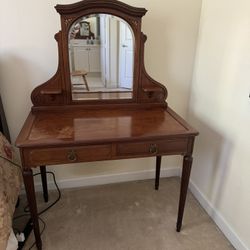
(186, 170)
(57, 91)
(30, 191)
(44, 183)
(84, 127)
(152, 147)
(76, 136)
(157, 172)
(59, 130)
(73, 154)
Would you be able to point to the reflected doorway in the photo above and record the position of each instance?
(101, 49)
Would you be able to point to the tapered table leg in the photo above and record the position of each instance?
(30, 191)
(157, 172)
(44, 183)
(186, 170)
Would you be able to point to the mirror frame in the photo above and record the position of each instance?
(57, 90)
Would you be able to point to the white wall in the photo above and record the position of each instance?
(28, 57)
(220, 110)
(219, 104)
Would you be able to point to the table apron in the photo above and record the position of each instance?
(33, 157)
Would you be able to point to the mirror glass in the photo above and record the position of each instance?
(101, 57)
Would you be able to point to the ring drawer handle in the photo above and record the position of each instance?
(153, 149)
(72, 155)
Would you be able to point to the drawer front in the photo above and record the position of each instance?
(158, 147)
(65, 155)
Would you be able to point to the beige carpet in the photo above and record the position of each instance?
(129, 216)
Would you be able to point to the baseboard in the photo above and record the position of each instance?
(107, 179)
(218, 218)
(150, 174)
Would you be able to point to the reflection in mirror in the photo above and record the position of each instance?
(101, 53)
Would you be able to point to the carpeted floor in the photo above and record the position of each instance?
(127, 216)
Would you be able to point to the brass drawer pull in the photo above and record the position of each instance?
(153, 149)
(72, 155)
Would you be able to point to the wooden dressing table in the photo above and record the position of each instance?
(63, 129)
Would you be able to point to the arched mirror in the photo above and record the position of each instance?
(101, 58)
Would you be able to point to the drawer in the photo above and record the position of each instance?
(157, 147)
(48, 156)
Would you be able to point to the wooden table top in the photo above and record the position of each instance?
(76, 127)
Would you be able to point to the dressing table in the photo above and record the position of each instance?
(122, 114)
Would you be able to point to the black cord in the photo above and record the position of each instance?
(58, 190)
(47, 172)
(44, 226)
(44, 210)
(47, 208)
(12, 162)
(26, 210)
(20, 216)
